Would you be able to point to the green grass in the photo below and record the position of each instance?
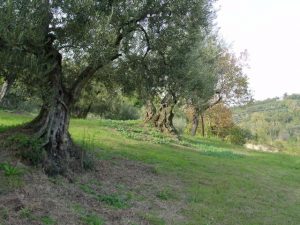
(47, 220)
(9, 120)
(10, 170)
(222, 183)
(114, 200)
(86, 217)
(166, 194)
(153, 219)
(26, 213)
(92, 220)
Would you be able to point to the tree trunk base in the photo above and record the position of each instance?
(51, 127)
(150, 112)
(195, 124)
(163, 120)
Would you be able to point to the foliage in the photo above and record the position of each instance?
(90, 35)
(232, 79)
(60, 49)
(116, 108)
(222, 80)
(105, 101)
(219, 120)
(10, 170)
(272, 121)
(18, 99)
(238, 136)
(202, 73)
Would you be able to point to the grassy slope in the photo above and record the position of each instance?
(219, 183)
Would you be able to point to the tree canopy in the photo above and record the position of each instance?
(60, 47)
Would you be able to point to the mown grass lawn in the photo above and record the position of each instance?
(219, 183)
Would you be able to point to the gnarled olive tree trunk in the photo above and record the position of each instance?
(163, 119)
(51, 126)
(150, 111)
(52, 123)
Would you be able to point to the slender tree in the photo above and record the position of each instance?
(203, 78)
(231, 86)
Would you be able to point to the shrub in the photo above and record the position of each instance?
(238, 135)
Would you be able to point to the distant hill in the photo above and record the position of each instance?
(273, 121)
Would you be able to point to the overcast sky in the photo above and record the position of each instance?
(270, 31)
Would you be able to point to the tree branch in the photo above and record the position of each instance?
(213, 103)
(86, 75)
(126, 28)
(147, 39)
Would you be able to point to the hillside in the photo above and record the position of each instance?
(273, 121)
(143, 177)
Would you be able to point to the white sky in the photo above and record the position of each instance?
(270, 31)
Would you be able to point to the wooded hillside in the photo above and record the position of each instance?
(273, 121)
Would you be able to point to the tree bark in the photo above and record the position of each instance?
(51, 126)
(202, 124)
(199, 111)
(9, 81)
(150, 111)
(52, 123)
(163, 120)
(195, 122)
(3, 90)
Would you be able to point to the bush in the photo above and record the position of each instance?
(126, 112)
(238, 136)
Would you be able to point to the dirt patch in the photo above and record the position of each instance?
(119, 191)
(262, 148)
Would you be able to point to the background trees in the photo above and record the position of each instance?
(229, 85)
(272, 121)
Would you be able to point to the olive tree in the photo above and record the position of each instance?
(230, 86)
(91, 34)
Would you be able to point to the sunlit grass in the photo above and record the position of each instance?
(221, 183)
